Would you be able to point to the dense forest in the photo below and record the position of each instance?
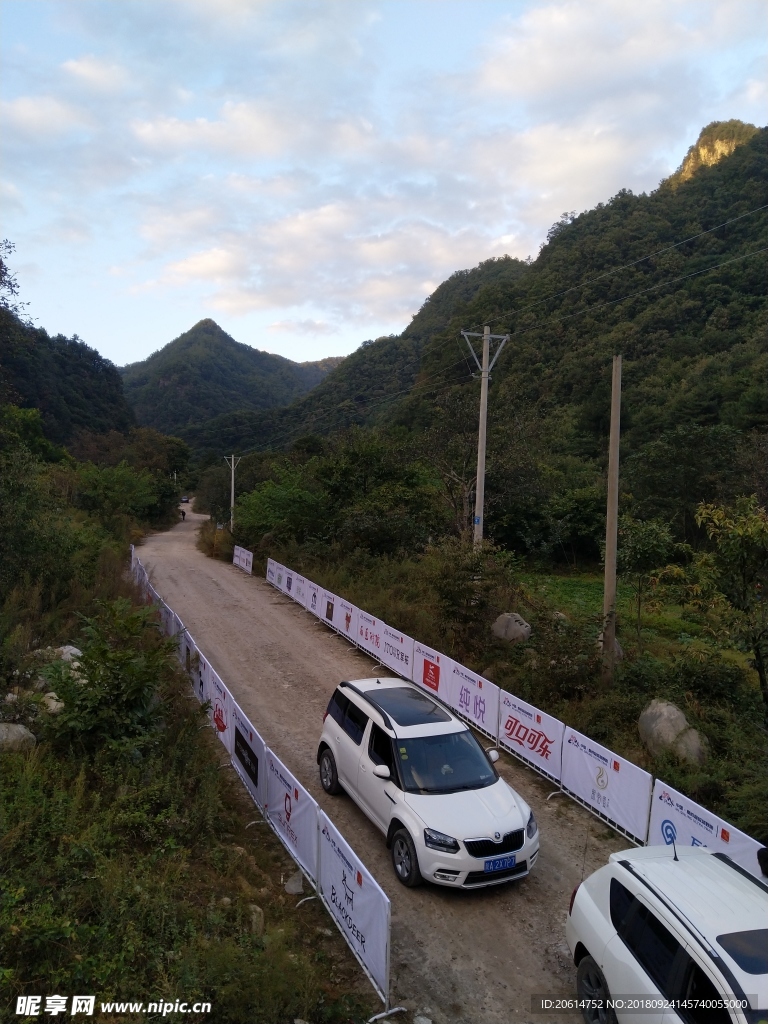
(204, 374)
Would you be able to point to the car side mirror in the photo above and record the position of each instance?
(381, 771)
(493, 755)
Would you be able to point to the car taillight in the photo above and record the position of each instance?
(573, 897)
(325, 715)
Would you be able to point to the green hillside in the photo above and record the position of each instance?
(204, 373)
(70, 383)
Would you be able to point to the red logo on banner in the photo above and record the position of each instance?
(431, 676)
(538, 719)
(219, 717)
(360, 879)
(725, 835)
(296, 795)
(616, 766)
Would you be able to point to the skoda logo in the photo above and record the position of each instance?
(497, 837)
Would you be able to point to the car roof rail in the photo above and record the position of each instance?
(742, 871)
(372, 702)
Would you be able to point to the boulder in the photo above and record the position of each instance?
(257, 919)
(511, 627)
(15, 737)
(68, 653)
(52, 704)
(663, 726)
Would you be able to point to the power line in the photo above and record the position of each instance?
(596, 306)
(616, 270)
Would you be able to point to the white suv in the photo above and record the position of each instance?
(666, 935)
(421, 776)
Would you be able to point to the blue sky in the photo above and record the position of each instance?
(306, 172)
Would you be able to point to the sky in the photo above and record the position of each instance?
(307, 172)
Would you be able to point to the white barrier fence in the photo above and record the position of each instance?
(608, 785)
(243, 558)
(352, 896)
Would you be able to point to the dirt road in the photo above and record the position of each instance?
(458, 957)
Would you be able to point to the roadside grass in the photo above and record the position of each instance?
(142, 871)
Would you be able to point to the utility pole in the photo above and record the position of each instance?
(485, 375)
(232, 463)
(611, 529)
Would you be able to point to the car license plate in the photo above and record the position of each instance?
(499, 863)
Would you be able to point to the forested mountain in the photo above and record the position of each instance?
(70, 383)
(205, 373)
(366, 386)
(612, 280)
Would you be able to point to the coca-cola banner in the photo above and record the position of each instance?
(396, 651)
(676, 819)
(272, 571)
(293, 814)
(221, 709)
(432, 670)
(345, 619)
(531, 735)
(369, 633)
(475, 699)
(611, 785)
(356, 902)
(300, 590)
(248, 756)
(315, 600)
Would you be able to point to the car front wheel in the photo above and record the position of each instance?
(592, 987)
(329, 777)
(404, 859)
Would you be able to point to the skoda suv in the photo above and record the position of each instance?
(421, 776)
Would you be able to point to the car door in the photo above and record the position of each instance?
(640, 961)
(349, 740)
(377, 796)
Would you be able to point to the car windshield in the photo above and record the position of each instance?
(444, 764)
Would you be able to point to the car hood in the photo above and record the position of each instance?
(471, 814)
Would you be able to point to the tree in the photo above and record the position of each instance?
(9, 287)
(740, 562)
(643, 547)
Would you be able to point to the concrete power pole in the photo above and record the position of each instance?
(611, 529)
(485, 375)
(232, 463)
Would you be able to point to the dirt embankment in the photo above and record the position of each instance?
(458, 957)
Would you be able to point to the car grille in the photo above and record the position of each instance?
(487, 848)
(483, 877)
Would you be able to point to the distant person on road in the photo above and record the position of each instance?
(183, 514)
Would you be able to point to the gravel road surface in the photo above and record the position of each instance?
(458, 957)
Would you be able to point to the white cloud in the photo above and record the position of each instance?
(42, 116)
(97, 74)
(311, 327)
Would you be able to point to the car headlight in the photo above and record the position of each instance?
(440, 841)
(530, 828)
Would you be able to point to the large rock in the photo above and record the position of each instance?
(663, 726)
(15, 737)
(52, 704)
(68, 653)
(511, 627)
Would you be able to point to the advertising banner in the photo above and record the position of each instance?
(272, 571)
(369, 633)
(432, 670)
(314, 599)
(293, 814)
(280, 577)
(286, 583)
(334, 612)
(202, 677)
(615, 788)
(236, 555)
(246, 560)
(475, 699)
(396, 651)
(221, 709)
(531, 735)
(677, 819)
(300, 591)
(357, 903)
(248, 756)
(345, 619)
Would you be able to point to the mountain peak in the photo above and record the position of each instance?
(718, 140)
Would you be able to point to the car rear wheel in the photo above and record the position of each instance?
(591, 986)
(404, 859)
(329, 776)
